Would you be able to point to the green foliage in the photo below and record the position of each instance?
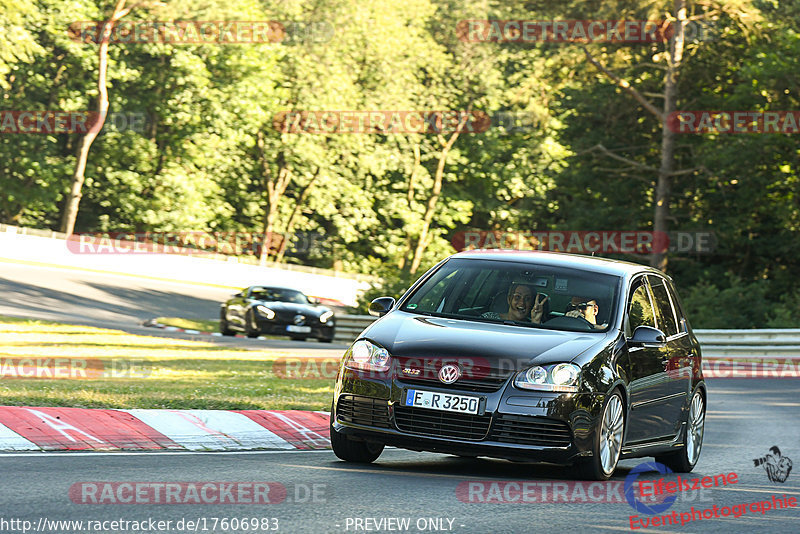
(739, 304)
(197, 165)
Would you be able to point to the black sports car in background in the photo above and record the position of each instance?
(530, 356)
(261, 310)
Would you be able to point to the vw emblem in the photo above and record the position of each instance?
(449, 373)
(299, 319)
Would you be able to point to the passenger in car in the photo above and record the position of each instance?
(521, 305)
(585, 308)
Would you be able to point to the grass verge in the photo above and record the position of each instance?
(144, 372)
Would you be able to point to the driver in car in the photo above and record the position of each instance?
(521, 305)
(585, 308)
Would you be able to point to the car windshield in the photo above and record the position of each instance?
(506, 292)
(276, 294)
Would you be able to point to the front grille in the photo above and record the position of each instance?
(441, 424)
(525, 430)
(477, 376)
(363, 411)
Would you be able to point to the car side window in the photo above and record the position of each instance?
(676, 305)
(479, 290)
(664, 313)
(433, 301)
(640, 309)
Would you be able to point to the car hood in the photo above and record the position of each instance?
(291, 307)
(416, 336)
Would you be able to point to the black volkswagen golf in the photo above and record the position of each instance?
(528, 356)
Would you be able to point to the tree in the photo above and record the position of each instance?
(78, 176)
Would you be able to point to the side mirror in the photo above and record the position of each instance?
(381, 306)
(239, 294)
(313, 300)
(647, 336)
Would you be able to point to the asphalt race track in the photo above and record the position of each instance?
(746, 417)
(122, 302)
(317, 493)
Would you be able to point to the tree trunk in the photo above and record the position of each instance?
(290, 223)
(78, 176)
(664, 185)
(433, 199)
(405, 258)
(275, 189)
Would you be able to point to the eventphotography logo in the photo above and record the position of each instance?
(775, 464)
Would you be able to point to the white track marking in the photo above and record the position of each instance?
(10, 440)
(215, 430)
(310, 435)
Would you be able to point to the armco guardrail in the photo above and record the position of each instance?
(761, 343)
(715, 344)
(349, 326)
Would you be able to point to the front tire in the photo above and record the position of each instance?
(350, 450)
(607, 444)
(251, 329)
(684, 459)
(224, 328)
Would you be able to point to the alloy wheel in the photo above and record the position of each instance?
(611, 435)
(694, 432)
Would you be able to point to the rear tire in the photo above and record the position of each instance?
(325, 340)
(347, 449)
(297, 338)
(607, 444)
(684, 459)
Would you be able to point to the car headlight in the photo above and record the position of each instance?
(367, 356)
(561, 377)
(266, 312)
(325, 316)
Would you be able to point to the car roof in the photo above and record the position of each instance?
(274, 287)
(560, 259)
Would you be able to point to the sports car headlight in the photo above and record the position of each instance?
(266, 312)
(325, 316)
(367, 356)
(561, 377)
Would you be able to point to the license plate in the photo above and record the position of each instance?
(298, 329)
(442, 401)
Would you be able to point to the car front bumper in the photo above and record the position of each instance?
(513, 424)
(279, 328)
